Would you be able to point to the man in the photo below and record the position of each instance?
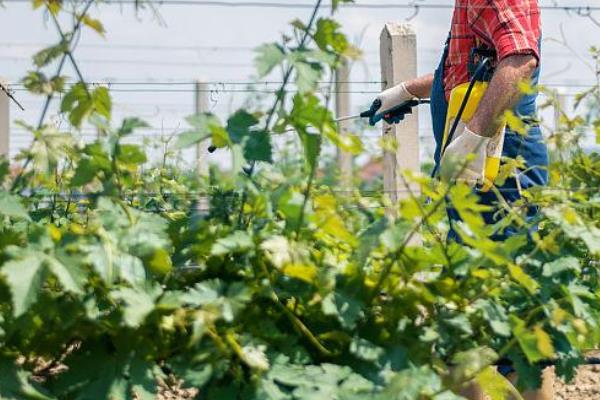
(512, 29)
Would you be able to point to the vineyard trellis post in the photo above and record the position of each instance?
(200, 107)
(4, 121)
(342, 108)
(398, 53)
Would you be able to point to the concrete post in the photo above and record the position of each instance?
(398, 52)
(4, 120)
(200, 107)
(342, 108)
(560, 107)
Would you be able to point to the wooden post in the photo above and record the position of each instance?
(398, 52)
(201, 106)
(342, 108)
(4, 121)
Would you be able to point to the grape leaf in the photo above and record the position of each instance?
(268, 56)
(257, 147)
(239, 125)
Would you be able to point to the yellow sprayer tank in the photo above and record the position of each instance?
(495, 146)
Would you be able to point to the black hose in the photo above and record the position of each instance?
(461, 111)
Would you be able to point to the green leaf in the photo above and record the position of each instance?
(102, 102)
(257, 147)
(138, 304)
(366, 350)
(535, 343)
(469, 363)
(560, 265)
(239, 125)
(85, 172)
(328, 37)
(143, 375)
(94, 372)
(347, 309)
(336, 3)
(277, 250)
(93, 23)
(78, 103)
(496, 386)
(10, 205)
(412, 384)
(24, 278)
(268, 56)
(495, 315)
(49, 54)
(290, 205)
(131, 154)
(369, 240)
(189, 138)
(68, 276)
(237, 242)
(15, 383)
(130, 124)
(517, 273)
(36, 82)
(307, 75)
(312, 149)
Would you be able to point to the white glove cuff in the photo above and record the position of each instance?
(474, 139)
(394, 96)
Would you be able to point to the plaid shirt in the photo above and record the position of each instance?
(509, 26)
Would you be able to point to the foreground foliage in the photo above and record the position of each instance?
(113, 277)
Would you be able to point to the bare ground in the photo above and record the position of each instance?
(586, 385)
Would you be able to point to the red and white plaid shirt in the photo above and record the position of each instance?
(509, 26)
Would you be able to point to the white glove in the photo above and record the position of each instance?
(466, 147)
(394, 96)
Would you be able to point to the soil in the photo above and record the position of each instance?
(586, 385)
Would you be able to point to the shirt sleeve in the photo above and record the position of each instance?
(510, 26)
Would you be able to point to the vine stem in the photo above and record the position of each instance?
(298, 325)
(313, 168)
(50, 96)
(278, 99)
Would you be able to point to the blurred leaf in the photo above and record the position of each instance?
(16, 384)
(137, 304)
(303, 272)
(239, 125)
(496, 386)
(93, 23)
(257, 147)
(536, 344)
(49, 54)
(268, 56)
(560, 265)
(10, 205)
(237, 242)
(24, 278)
(131, 124)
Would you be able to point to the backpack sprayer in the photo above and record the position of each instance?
(464, 101)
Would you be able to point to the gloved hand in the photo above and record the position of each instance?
(391, 105)
(466, 147)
